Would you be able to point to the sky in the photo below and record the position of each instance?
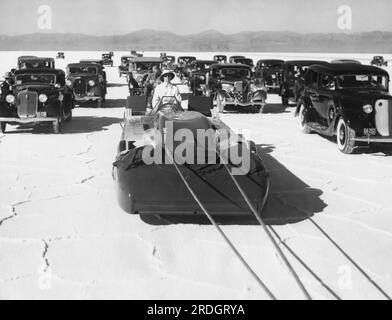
(113, 17)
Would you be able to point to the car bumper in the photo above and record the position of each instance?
(243, 104)
(87, 98)
(374, 139)
(29, 120)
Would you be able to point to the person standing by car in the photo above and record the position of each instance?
(165, 89)
(151, 79)
(6, 86)
(132, 83)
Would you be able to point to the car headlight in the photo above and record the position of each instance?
(10, 98)
(367, 108)
(68, 83)
(139, 79)
(43, 98)
(202, 78)
(91, 83)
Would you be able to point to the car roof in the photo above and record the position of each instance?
(32, 58)
(305, 62)
(182, 57)
(271, 61)
(348, 68)
(146, 59)
(35, 71)
(346, 61)
(231, 65)
(203, 61)
(84, 65)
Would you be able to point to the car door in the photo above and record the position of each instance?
(313, 89)
(322, 97)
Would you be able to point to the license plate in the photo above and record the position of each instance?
(41, 114)
(369, 131)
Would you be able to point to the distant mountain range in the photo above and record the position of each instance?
(208, 41)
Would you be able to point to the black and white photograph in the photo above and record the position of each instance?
(215, 150)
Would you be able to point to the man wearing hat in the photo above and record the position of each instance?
(165, 89)
(6, 86)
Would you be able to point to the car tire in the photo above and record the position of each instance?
(303, 118)
(3, 126)
(345, 137)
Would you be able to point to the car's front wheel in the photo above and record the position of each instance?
(345, 136)
(303, 118)
(3, 126)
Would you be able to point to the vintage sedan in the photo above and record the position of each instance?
(349, 101)
(379, 61)
(88, 81)
(140, 67)
(270, 71)
(60, 55)
(124, 66)
(232, 88)
(38, 95)
(197, 74)
(293, 73)
(220, 58)
(31, 62)
(107, 59)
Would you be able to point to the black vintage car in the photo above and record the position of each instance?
(31, 62)
(38, 95)
(220, 58)
(107, 59)
(124, 66)
(232, 88)
(293, 73)
(270, 71)
(88, 81)
(60, 55)
(379, 61)
(197, 73)
(349, 101)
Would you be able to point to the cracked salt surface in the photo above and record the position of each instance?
(63, 236)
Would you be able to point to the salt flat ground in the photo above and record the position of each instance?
(62, 234)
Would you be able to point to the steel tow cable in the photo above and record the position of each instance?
(236, 252)
(276, 245)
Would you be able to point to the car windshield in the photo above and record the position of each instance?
(35, 78)
(142, 66)
(185, 60)
(272, 64)
(235, 73)
(203, 65)
(84, 70)
(35, 65)
(362, 82)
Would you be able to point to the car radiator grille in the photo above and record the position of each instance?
(383, 117)
(80, 86)
(27, 104)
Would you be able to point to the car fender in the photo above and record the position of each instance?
(354, 118)
(260, 94)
